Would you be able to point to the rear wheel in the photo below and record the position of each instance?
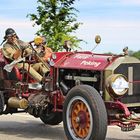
(84, 114)
(51, 118)
(1, 102)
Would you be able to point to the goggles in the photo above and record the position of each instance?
(11, 36)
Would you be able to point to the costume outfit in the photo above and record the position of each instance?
(44, 52)
(9, 50)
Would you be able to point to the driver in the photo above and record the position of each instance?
(12, 50)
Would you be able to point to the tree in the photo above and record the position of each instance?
(136, 54)
(57, 20)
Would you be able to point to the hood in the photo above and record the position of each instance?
(84, 60)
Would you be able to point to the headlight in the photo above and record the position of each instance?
(117, 85)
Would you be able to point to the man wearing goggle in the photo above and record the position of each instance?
(12, 50)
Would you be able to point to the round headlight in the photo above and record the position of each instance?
(117, 85)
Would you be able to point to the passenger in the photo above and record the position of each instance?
(12, 50)
(43, 51)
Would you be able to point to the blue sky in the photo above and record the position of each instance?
(116, 21)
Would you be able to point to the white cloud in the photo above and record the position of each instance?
(133, 2)
(23, 28)
(114, 25)
(115, 34)
(109, 22)
(15, 23)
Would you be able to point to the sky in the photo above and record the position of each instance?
(116, 21)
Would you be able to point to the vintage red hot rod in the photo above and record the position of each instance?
(85, 90)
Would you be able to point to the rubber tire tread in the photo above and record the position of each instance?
(97, 107)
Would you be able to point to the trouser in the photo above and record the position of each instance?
(34, 70)
(39, 67)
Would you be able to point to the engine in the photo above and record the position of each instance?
(70, 77)
(37, 104)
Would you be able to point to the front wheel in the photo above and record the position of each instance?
(84, 114)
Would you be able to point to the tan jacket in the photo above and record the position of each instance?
(9, 50)
(47, 52)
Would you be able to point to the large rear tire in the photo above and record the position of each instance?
(50, 117)
(84, 114)
(1, 102)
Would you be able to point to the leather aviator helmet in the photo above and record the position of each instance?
(9, 32)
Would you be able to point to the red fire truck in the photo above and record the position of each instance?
(85, 90)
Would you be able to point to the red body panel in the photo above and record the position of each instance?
(82, 60)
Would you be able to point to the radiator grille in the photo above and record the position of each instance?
(132, 72)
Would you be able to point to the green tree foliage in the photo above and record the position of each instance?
(57, 20)
(136, 54)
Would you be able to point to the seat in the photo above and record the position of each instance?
(14, 74)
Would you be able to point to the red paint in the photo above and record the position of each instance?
(80, 60)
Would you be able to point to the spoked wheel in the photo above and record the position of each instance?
(84, 114)
(80, 117)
